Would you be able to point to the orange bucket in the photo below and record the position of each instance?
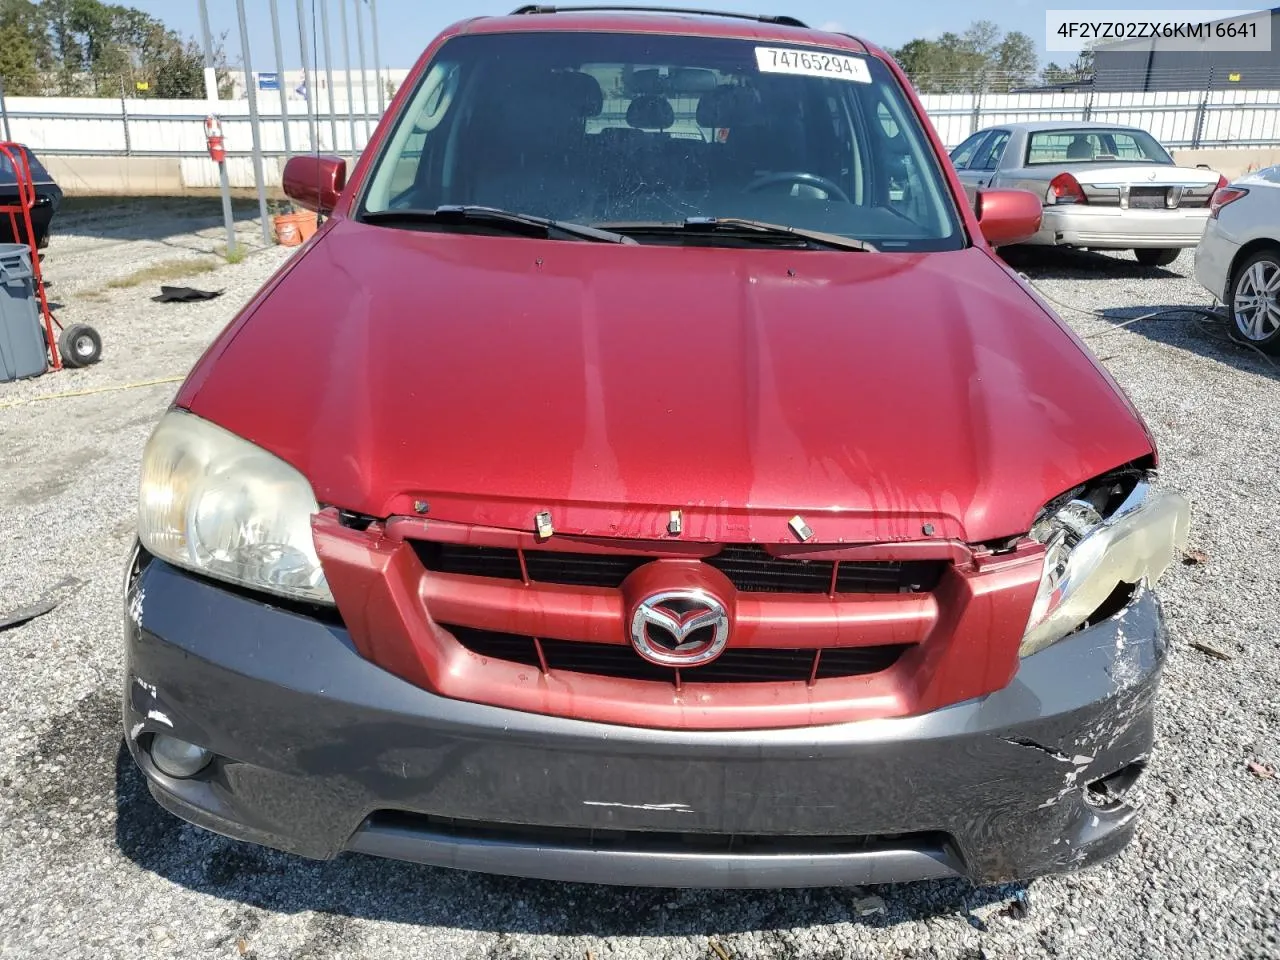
(306, 226)
(293, 229)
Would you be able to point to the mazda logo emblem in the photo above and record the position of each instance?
(680, 628)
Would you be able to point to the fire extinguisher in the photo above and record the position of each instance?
(213, 138)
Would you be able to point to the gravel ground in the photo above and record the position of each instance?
(91, 867)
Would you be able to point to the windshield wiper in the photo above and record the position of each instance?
(521, 223)
(746, 229)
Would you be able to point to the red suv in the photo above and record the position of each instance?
(649, 474)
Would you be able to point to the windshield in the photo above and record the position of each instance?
(1094, 146)
(624, 129)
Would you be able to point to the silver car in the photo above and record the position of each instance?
(1105, 186)
(1238, 260)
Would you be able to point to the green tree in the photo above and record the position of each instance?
(1083, 64)
(18, 63)
(24, 47)
(89, 47)
(1078, 70)
(1016, 60)
(917, 59)
(981, 42)
(958, 56)
(983, 57)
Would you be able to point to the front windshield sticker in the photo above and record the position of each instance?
(835, 66)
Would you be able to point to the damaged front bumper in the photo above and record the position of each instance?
(319, 752)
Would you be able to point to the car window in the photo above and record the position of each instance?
(34, 167)
(1094, 146)
(988, 158)
(963, 154)
(620, 128)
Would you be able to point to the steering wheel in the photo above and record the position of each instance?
(798, 177)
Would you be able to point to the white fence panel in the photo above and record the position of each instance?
(1182, 118)
(1245, 117)
(175, 128)
(65, 124)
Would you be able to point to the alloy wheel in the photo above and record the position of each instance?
(1256, 304)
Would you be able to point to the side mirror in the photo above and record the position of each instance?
(1008, 216)
(314, 182)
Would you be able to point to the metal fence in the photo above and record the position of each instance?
(1177, 118)
(90, 127)
(1200, 106)
(1193, 78)
(85, 126)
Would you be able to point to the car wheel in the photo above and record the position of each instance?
(1254, 300)
(80, 345)
(1157, 256)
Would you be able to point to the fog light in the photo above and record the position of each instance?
(177, 758)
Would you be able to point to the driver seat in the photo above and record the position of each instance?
(750, 139)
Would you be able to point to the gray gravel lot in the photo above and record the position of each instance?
(91, 867)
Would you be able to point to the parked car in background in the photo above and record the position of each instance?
(48, 199)
(1104, 186)
(653, 509)
(1238, 259)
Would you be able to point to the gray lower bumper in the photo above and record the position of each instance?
(323, 752)
(661, 868)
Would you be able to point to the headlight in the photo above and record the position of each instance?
(218, 505)
(1091, 548)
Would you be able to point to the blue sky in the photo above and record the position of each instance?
(406, 26)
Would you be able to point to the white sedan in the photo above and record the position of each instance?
(1238, 258)
(1105, 186)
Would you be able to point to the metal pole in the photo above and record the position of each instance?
(377, 58)
(328, 74)
(258, 177)
(364, 76)
(284, 94)
(211, 93)
(307, 75)
(346, 54)
(124, 119)
(4, 112)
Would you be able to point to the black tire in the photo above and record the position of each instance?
(1270, 341)
(1157, 256)
(79, 345)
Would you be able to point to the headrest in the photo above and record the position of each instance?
(581, 90)
(650, 113)
(729, 107)
(641, 82)
(1080, 149)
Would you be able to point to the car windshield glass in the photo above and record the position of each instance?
(607, 128)
(1094, 146)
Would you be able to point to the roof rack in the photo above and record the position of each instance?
(781, 20)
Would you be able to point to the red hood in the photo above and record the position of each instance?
(495, 378)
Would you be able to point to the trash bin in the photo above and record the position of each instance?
(23, 351)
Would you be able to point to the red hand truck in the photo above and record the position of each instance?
(78, 345)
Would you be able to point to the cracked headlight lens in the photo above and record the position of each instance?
(1091, 548)
(216, 504)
